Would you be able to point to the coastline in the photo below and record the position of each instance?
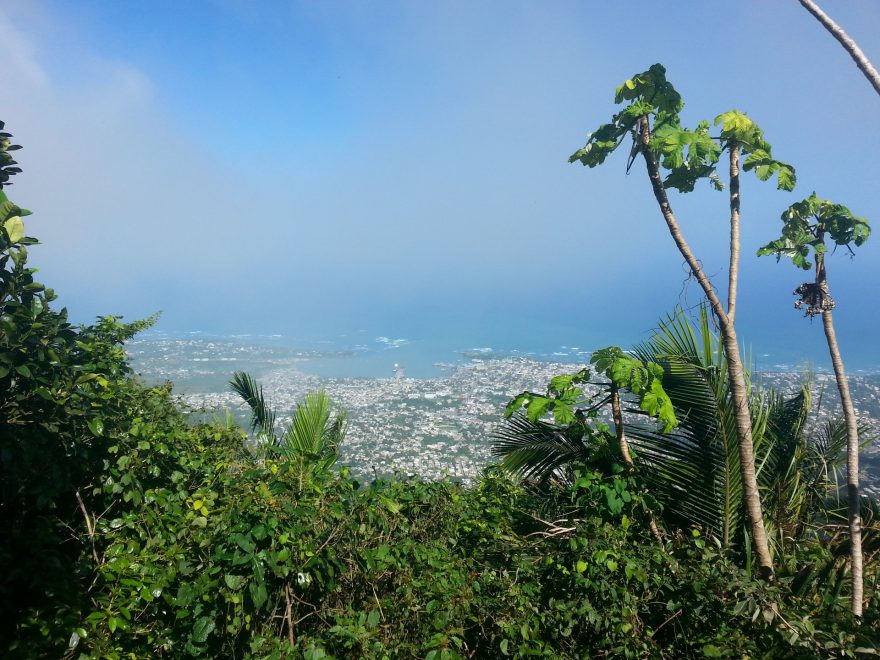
(429, 427)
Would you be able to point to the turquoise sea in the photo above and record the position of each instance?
(428, 348)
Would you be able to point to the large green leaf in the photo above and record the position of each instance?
(808, 223)
(311, 432)
(14, 227)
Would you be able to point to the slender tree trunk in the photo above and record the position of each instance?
(733, 271)
(849, 413)
(849, 45)
(288, 616)
(852, 447)
(617, 416)
(852, 466)
(738, 389)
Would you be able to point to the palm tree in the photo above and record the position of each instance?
(694, 471)
(543, 451)
(312, 435)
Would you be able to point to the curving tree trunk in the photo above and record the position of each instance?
(848, 43)
(852, 431)
(736, 374)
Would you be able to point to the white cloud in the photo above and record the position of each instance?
(123, 204)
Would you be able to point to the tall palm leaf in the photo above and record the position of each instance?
(695, 471)
(262, 416)
(827, 577)
(804, 465)
(785, 476)
(311, 434)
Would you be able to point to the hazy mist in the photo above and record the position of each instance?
(309, 167)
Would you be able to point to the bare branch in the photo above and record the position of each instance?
(288, 615)
(90, 526)
(553, 528)
(849, 45)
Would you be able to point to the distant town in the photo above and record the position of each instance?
(430, 427)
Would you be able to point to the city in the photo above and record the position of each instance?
(430, 427)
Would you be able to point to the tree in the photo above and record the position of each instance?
(651, 119)
(65, 392)
(806, 224)
(570, 406)
(848, 43)
(692, 468)
(535, 448)
(311, 435)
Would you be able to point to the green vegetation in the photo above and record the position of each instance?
(651, 119)
(129, 531)
(805, 226)
(311, 437)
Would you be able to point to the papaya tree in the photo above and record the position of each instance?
(532, 447)
(676, 157)
(807, 225)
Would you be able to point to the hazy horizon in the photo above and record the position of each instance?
(315, 168)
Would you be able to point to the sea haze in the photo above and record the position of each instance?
(416, 405)
(425, 341)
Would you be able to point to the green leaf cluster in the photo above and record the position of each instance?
(806, 225)
(643, 379)
(546, 433)
(648, 93)
(687, 155)
(563, 396)
(739, 129)
(8, 165)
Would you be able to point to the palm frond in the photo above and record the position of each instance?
(695, 469)
(827, 576)
(262, 416)
(541, 450)
(784, 477)
(311, 433)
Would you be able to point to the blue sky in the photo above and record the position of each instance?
(324, 165)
